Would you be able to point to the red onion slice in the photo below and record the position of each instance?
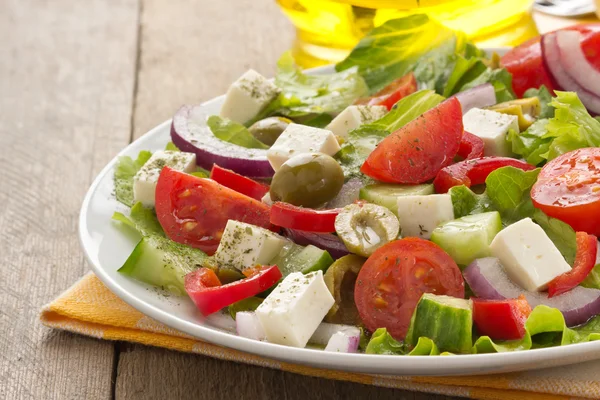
(487, 279)
(325, 241)
(248, 325)
(574, 61)
(342, 342)
(480, 96)
(347, 195)
(556, 61)
(190, 133)
(326, 331)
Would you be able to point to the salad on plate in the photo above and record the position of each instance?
(424, 198)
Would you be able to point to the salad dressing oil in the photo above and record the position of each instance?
(328, 29)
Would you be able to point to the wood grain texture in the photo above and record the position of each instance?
(66, 84)
(190, 51)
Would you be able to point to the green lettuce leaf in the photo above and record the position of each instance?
(571, 128)
(560, 233)
(125, 170)
(425, 347)
(398, 47)
(304, 94)
(232, 132)
(545, 99)
(383, 343)
(545, 327)
(593, 278)
(363, 140)
(508, 190)
(466, 202)
(141, 219)
(171, 147)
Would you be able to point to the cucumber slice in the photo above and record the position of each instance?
(446, 320)
(387, 195)
(469, 237)
(296, 258)
(161, 262)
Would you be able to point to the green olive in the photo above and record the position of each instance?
(307, 180)
(366, 227)
(340, 279)
(268, 130)
(527, 110)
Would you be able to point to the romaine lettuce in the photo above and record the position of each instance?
(125, 170)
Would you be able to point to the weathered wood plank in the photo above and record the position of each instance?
(190, 52)
(66, 84)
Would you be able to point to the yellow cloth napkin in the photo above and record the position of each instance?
(90, 308)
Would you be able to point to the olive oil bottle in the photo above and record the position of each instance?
(328, 29)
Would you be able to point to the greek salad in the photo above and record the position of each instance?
(420, 200)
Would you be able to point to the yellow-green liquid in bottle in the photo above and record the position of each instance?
(328, 29)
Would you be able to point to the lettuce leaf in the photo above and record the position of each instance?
(571, 128)
(545, 327)
(383, 343)
(545, 99)
(125, 170)
(304, 94)
(363, 140)
(593, 278)
(401, 45)
(560, 233)
(232, 132)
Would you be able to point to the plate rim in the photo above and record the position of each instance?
(352, 362)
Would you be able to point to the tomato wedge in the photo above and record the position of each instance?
(194, 211)
(568, 188)
(237, 182)
(304, 219)
(416, 152)
(392, 280)
(474, 172)
(501, 319)
(585, 260)
(210, 296)
(526, 64)
(392, 93)
(471, 146)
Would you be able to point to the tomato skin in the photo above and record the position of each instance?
(210, 296)
(471, 146)
(568, 188)
(501, 319)
(287, 215)
(194, 211)
(527, 67)
(237, 182)
(391, 282)
(474, 172)
(392, 93)
(416, 152)
(585, 260)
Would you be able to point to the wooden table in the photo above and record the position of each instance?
(78, 81)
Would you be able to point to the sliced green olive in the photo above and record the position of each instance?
(307, 180)
(249, 304)
(268, 130)
(228, 275)
(527, 110)
(366, 227)
(340, 279)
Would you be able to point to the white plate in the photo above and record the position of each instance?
(107, 246)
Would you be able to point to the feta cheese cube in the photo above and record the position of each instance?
(353, 117)
(492, 127)
(528, 255)
(144, 182)
(247, 96)
(297, 139)
(246, 246)
(294, 310)
(419, 215)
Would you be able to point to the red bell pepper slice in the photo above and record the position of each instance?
(206, 291)
(501, 319)
(237, 182)
(474, 172)
(304, 219)
(585, 260)
(471, 146)
(392, 93)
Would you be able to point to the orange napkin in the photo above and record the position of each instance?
(90, 308)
